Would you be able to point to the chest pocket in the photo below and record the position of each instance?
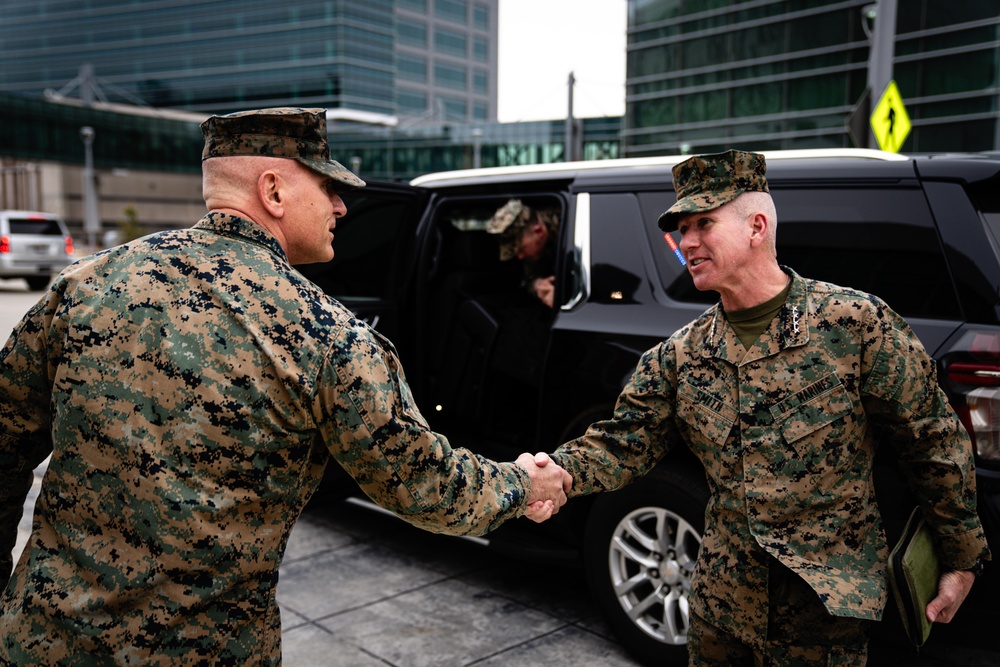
(704, 415)
(823, 410)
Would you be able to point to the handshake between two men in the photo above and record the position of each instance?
(549, 485)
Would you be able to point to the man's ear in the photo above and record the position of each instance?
(270, 192)
(758, 229)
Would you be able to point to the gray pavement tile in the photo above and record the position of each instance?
(553, 590)
(289, 619)
(310, 646)
(340, 579)
(449, 624)
(314, 534)
(568, 646)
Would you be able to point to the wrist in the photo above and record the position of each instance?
(977, 568)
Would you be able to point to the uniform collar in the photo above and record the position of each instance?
(790, 328)
(237, 227)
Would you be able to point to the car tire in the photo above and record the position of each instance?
(38, 283)
(640, 549)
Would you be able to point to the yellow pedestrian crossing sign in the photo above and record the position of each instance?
(890, 122)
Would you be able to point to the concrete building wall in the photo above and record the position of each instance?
(160, 200)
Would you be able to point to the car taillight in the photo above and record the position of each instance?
(4, 244)
(976, 382)
(69, 245)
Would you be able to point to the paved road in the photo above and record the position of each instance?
(15, 300)
(359, 589)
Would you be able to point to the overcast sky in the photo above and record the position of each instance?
(542, 41)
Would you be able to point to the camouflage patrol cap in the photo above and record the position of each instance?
(509, 221)
(297, 134)
(706, 182)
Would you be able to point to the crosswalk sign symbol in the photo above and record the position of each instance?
(890, 122)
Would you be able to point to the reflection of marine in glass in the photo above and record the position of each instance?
(525, 233)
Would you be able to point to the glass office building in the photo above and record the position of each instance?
(416, 59)
(707, 75)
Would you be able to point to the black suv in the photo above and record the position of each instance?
(500, 373)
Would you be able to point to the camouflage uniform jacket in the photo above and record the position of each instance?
(786, 433)
(191, 387)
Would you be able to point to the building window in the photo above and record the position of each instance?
(450, 76)
(415, 5)
(452, 10)
(454, 109)
(450, 42)
(481, 17)
(412, 68)
(413, 33)
(408, 101)
(480, 82)
(480, 111)
(480, 50)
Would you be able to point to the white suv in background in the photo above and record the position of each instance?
(33, 246)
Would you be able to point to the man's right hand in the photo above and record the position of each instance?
(549, 485)
(545, 290)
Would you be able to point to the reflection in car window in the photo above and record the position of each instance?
(986, 198)
(669, 262)
(878, 240)
(617, 274)
(368, 248)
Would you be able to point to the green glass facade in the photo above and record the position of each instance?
(224, 55)
(706, 75)
(32, 129)
(37, 130)
(405, 154)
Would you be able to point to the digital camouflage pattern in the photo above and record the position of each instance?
(192, 386)
(706, 182)
(508, 222)
(297, 134)
(787, 434)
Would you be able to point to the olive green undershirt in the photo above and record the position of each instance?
(750, 323)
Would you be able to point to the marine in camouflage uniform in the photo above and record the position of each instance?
(510, 222)
(786, 430)
(191, 387)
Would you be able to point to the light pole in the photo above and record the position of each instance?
(883, 42)
(91, 223)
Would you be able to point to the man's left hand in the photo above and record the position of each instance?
(953, 587)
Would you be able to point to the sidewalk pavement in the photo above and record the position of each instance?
(359, 589)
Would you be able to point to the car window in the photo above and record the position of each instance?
(617, 274)
(670, 263)
(34, 226)
(465, 246)
(986, 198)
(370, 247)
(879, 240)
